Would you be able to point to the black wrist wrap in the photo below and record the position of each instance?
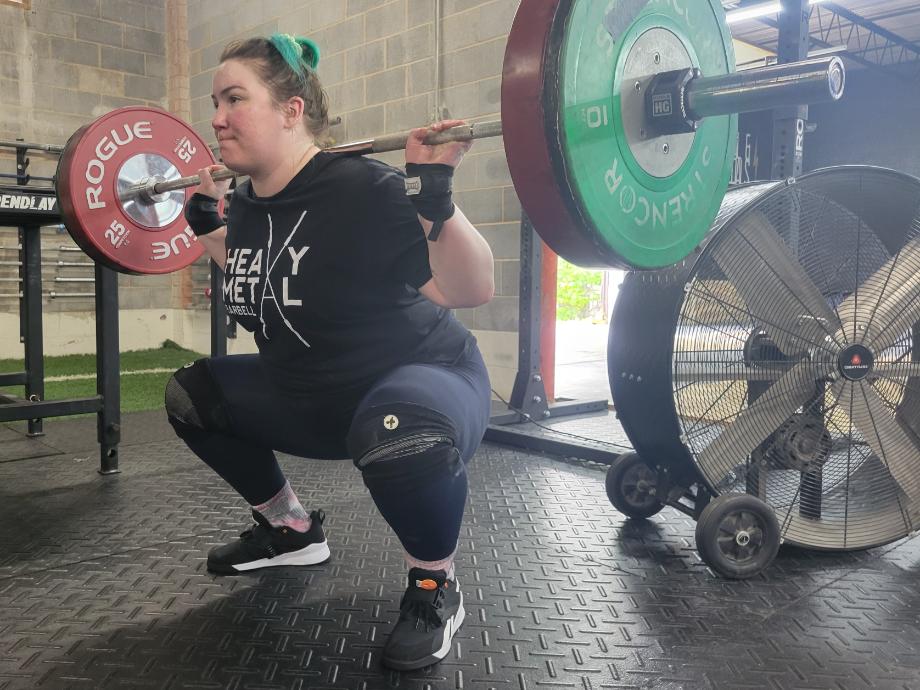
(429, 187)
(202, 216)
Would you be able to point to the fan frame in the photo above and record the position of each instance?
(640, 366)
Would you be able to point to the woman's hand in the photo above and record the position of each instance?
(451, 153)
(208, 187)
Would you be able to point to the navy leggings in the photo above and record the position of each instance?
(425, 512)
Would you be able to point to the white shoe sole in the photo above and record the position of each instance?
(310, 555)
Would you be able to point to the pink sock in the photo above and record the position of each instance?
(445, 564)
(284, 510)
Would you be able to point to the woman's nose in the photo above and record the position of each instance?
(219, 121)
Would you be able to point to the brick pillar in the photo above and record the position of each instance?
(177, 57)
(179, 104)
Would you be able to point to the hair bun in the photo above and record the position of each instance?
(310, 51)
(297, 51)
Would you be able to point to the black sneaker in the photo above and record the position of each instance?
(262, 546)
(430, 612)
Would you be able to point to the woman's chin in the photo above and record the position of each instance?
(235, 163)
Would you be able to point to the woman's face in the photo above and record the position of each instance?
(250, 128)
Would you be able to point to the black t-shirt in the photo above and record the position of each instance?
(326, 275)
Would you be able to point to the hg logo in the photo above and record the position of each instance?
(661, 105)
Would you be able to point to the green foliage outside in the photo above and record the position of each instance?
(138, 391)
(578, 292)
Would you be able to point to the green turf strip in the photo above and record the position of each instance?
(158, 358)
(138, 391)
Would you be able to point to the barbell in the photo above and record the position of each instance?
(619, 122)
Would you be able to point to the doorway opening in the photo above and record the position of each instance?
(584, 302)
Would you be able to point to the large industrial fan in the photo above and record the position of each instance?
(770, 384)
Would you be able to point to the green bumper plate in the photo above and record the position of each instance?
(650, 213)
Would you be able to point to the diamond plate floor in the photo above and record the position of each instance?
(103, 585)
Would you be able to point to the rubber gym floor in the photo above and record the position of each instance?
(103, 584)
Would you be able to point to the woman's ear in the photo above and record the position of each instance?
(293, 110)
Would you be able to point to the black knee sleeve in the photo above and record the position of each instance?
(404, 442)
(194, 400)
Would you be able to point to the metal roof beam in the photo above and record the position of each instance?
(867, 43)
(875, 45)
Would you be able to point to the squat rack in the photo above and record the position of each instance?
(29, 207)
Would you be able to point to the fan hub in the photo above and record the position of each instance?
(761, 348)
(855, 362)
(803, 443)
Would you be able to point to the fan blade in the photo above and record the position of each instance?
(886, 304)
(764, 416)
(775, 288)
(896, 316)
(895, 447)
(896, 369)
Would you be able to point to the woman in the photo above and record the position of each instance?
(345, 270)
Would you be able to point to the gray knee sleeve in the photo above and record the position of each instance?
(194, 399)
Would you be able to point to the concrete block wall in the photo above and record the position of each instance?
(64, 63)
(378, 67)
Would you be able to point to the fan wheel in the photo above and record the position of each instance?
(632, 486)
(737, 535)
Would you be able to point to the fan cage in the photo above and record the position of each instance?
(795, 278)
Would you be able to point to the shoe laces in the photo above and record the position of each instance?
(259, 526)
(424, 610)
(260, 536)
(249, 534)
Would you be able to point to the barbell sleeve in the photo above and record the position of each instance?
(764, 88)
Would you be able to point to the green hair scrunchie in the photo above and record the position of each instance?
(297, 51)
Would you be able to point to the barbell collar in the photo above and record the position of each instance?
(795, 83)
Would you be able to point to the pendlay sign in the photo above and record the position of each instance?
(28, 202)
